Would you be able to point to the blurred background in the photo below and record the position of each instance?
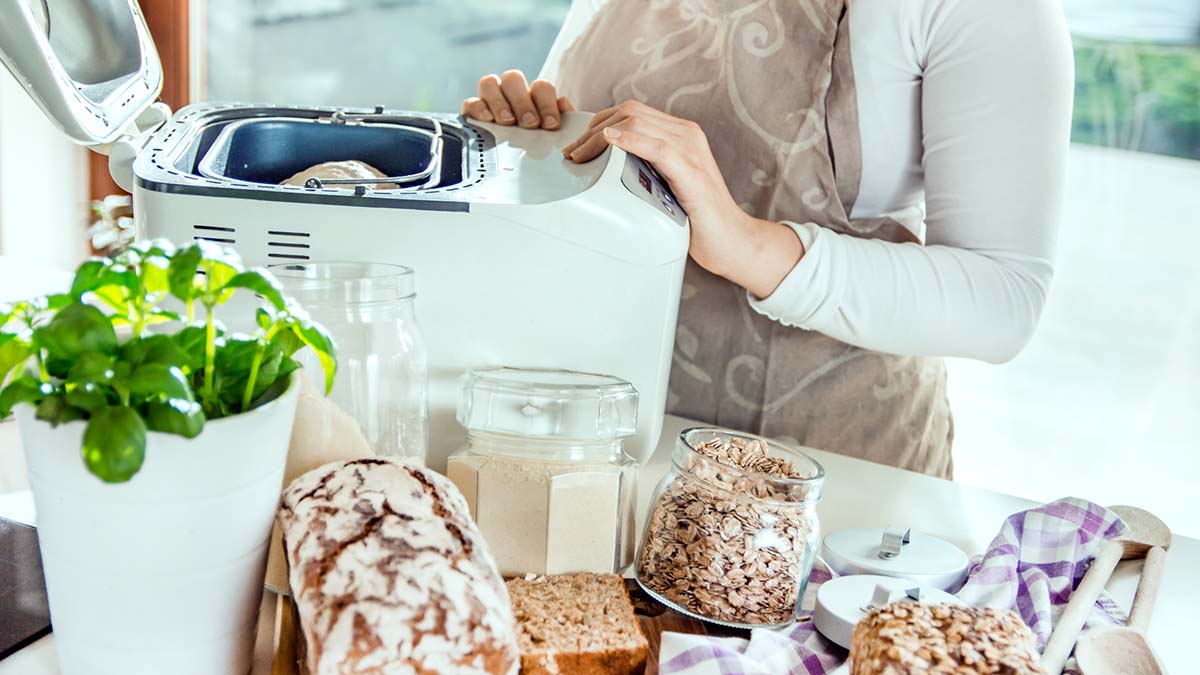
(1103, 404)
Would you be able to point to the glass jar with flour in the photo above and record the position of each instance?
(544, 471)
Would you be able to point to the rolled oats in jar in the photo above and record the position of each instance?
(733, 529)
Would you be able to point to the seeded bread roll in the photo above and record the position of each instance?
(577, 624)
(911, 638)
(390, 576)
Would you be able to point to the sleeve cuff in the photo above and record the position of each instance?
(801, 293)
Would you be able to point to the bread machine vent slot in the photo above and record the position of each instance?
(214, 233)
(288, 245)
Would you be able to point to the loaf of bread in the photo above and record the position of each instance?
(907, 638)
(389, 575)
(322, 433)
(341, 171)
(577, 624)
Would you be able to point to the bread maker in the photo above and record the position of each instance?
(522, 258)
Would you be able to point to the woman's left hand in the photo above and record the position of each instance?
(753, 253)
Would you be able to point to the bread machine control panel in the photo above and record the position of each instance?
(642, 180)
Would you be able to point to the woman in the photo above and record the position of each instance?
(882, 177)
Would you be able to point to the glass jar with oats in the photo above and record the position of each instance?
(732, 531)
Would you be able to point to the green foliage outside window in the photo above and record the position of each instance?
(1137, 96)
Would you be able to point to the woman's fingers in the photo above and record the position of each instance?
(491, 94)
(545, 99)
(564, 105)
(592, 142)
(590, 139)
(516, 90)
(476, 109)
(628, 108)
(655, 150)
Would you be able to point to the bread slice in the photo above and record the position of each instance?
(577, 624)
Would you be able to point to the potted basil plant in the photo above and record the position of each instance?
(156, 442)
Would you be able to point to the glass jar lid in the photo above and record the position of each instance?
(547, 404)
(345, 283)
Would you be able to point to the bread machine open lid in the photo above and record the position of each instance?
(89, 64)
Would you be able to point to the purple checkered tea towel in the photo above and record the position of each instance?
(1032, 566)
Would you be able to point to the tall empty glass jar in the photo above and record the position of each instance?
(382, 367)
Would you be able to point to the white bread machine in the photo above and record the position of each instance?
(522, 258)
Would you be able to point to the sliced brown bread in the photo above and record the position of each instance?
(577, 624)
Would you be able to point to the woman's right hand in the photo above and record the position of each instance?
(508, 99)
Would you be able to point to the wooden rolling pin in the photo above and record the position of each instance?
(1145, 533)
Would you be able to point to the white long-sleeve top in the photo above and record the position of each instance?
(964, 112)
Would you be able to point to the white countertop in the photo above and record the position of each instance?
(857, 494)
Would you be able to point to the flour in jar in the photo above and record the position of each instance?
(549, 517)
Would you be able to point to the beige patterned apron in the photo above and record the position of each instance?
(771, 83)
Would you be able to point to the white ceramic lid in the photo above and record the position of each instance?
(89, 64)
(844, 601)
(548, 404)
(896, 551)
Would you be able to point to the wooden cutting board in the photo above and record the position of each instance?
(657, 619)
(654, 617)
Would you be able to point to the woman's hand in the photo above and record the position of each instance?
(753, 253)
(508, 99)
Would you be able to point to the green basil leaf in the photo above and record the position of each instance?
(55, 410)
(89, 277)
(58, 367)
(261, 282)
(190, 340)
(287, 365)
(156, 277)
(235, 355)
(57, 301)
(174, 416)
(155, 349)
(124, 276)
(115, 298)
(92, 367)
(263, 317)
(274, 391)
(77, 329)
(234, 389)
(216, 409)
(114, 444)
(159, 381)
(23, 389)
(219, 265)
(90, 396)
(288, 342)
(14, 352)
(181, 272)
(159, 315)
(315, 336)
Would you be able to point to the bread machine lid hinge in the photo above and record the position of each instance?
(92, 67)
(123, 151)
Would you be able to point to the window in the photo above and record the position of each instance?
(404, 54)
(1137, 70)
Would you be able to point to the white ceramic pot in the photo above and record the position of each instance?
(164, 573)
